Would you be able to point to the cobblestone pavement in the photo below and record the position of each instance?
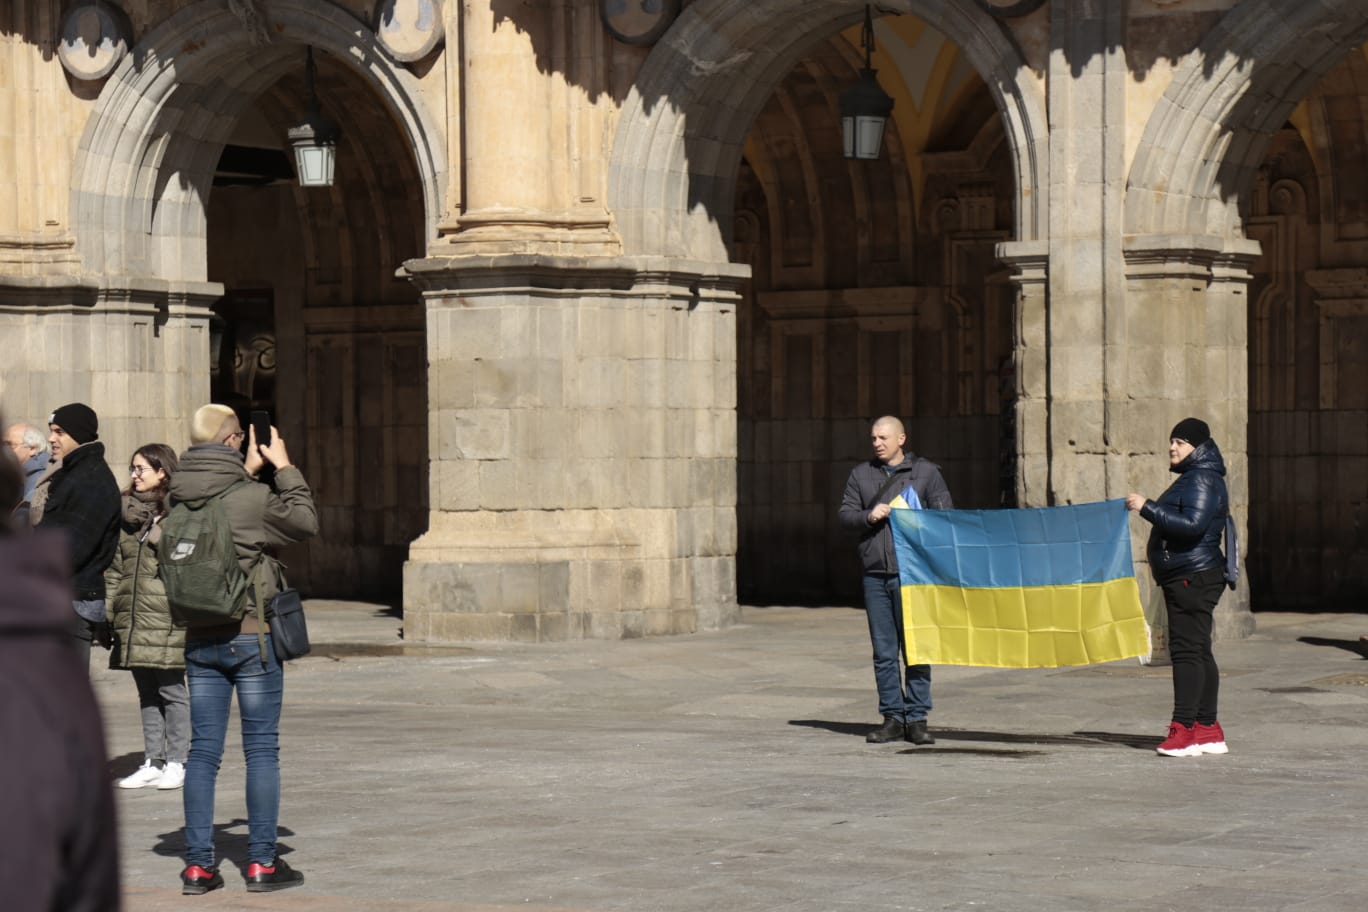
(729, 771)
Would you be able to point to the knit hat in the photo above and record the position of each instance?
(1193, 430)
(78, 421)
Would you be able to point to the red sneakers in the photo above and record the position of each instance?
(197, 880)
(1181, 742)
(275, 876)
(1209, 738)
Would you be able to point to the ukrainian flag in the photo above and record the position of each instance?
(1035, 588)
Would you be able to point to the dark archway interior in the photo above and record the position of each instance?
(1308, 353)
(316, 328)
(875, 291)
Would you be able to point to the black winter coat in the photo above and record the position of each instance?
(876, 541)
(1189, 518)
(83, 501)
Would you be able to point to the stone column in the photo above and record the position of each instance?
(582, 449)
(518, 129)
(1185, 352)
(1087, 90)
(1029, 262)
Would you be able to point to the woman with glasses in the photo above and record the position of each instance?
(146, 640)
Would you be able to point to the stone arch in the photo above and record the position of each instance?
(147, 157)
(674, 161)
(1203, 145)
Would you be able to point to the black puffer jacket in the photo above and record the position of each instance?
(1189, 517)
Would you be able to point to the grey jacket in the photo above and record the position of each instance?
(261, 518)
(876, 541)
(33, 470)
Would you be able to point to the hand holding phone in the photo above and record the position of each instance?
(261, 423)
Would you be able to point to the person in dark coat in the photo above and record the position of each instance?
(893, 477)
(1186, 560)
(78, 496)
(59, 847)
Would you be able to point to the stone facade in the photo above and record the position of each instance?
(587, 333)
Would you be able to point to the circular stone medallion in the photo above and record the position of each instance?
(95, 37)
(409, 30)
(639, 22)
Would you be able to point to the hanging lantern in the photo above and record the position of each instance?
(865, 107)
(314, 140)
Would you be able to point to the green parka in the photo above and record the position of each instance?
(140, 621)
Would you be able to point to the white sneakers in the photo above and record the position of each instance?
(172, 777)
(143, 776)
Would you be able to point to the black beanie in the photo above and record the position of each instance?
(78, 421)
(1193, 430)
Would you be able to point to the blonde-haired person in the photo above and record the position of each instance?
(208, 421)
(227, 659)
(146, 640)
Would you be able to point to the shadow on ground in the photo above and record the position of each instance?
(1357, 647)
(1077, 739)
(230, 842)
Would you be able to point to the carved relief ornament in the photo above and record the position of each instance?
(95, 36)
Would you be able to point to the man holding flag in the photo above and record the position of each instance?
(892, 477)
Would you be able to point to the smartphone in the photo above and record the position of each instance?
(261, 421)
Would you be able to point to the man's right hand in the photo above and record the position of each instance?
(275, 452)
(879, 513)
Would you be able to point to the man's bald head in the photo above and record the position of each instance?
(888, 437)
(893, 424)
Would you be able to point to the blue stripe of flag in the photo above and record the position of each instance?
(1047, 546)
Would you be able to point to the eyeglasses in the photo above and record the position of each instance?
(139, 471)
(236, 435)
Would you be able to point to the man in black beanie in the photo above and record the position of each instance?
(79, 496)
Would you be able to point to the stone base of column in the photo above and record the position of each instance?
(1233, 619)
(540, 576)
(496, 232)
(582, 449)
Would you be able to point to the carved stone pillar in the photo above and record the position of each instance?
(1029, 262)
(1186, 353)
(520, 127)
(582, 449)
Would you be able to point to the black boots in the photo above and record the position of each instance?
(916, 733)
(892, 730)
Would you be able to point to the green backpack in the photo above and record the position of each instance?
(198, 564)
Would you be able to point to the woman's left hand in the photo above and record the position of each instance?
(1135, 502)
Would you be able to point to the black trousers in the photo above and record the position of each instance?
(1196, 679)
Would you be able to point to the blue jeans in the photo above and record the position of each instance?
(883, 609)
(214, 668)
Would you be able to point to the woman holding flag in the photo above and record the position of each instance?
(1186, 560)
